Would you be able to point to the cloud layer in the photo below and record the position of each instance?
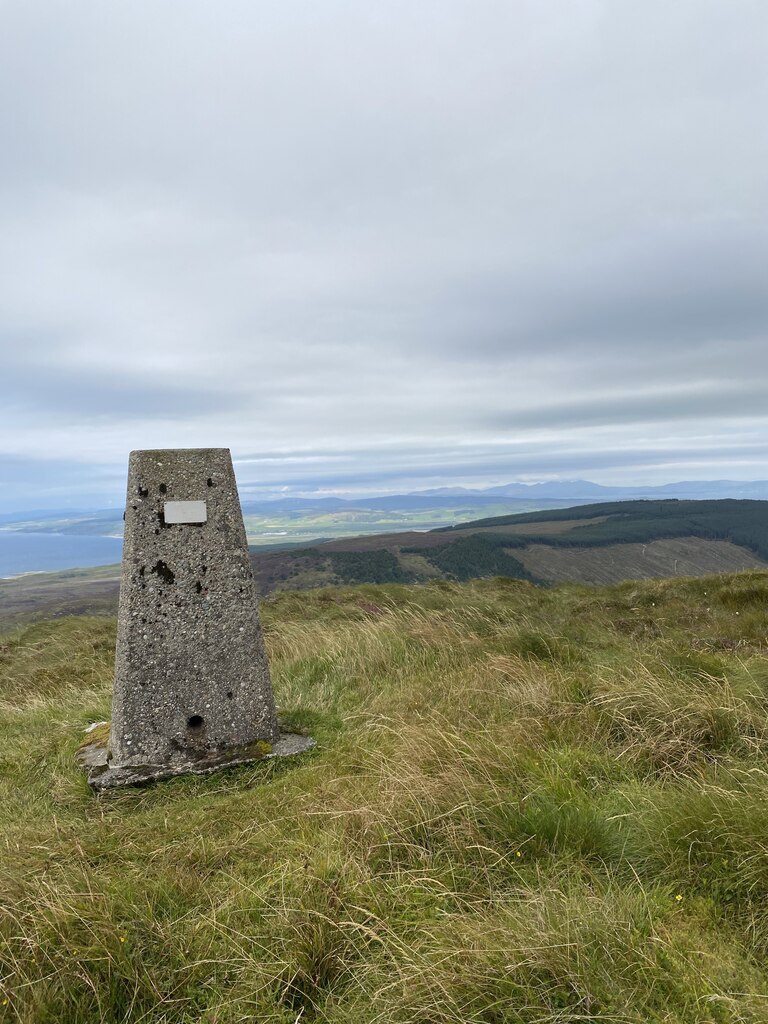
(383, 246)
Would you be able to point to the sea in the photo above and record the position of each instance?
(51, 552)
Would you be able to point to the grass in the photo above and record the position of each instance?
(525, 806)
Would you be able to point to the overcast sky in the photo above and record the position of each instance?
(383, 246)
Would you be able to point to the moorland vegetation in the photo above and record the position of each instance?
(526, 805)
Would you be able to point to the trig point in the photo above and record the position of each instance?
(192, 688)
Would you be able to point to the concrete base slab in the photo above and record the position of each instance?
(101, 776)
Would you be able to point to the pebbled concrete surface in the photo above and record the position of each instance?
(191, 677)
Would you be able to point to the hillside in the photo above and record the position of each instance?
(286, 521)
(293, 520)
(599, 543)
(527, 806)
(596, 544)
(49, 595)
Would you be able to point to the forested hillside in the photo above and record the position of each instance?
(630, 522)
(711, 536)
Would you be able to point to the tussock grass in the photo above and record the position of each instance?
(525, 806)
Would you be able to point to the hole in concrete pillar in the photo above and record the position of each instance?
(199, 587)
(210, 482)
(162, 570)
(195, 722)
(163, 488)
(143, 492)
(230, 694)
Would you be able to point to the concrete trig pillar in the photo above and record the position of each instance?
(192, 687)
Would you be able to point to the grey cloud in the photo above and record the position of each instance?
(384, 232)
(713, 404)
(70, 394)
(396, 474)
(41, 483)
(665, 295)
(30, 484)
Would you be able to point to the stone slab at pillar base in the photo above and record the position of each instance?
(93, 759)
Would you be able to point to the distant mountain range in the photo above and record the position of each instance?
(464, 501)
(560, 492)
(585, 490)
